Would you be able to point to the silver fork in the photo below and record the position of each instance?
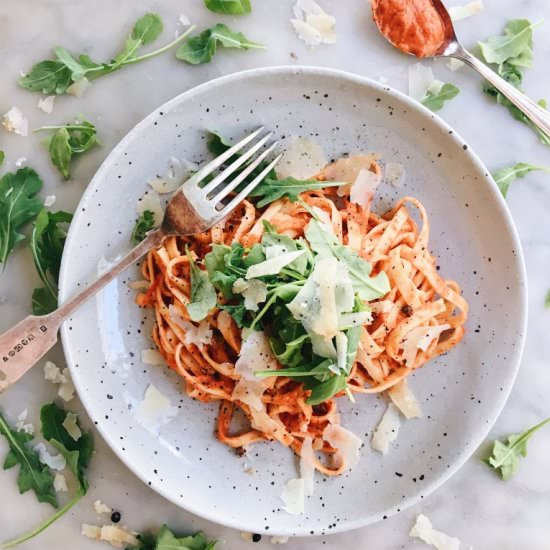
(191, 210)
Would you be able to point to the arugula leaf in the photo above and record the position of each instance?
(505, 176)
(230, 7)
(436, 101)
(202, 48)
(2, 157)
(203, 293)
(511, 52)
(32, 473)
(77, 454)
(547, 300)
(55, 76)
(272, 189)
(514, 46)
(47, 242)
(505, 456)
(69, 140)
(144, 224)
(166, 540)
(18, 206)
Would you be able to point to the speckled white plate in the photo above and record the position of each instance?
(461, 393)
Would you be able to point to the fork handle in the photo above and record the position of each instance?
(29, 340)
(534, 112)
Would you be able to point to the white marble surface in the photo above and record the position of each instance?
(474, 505)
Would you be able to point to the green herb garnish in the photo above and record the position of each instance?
(229, 7)
(55, 76)
(202, 48)
(32, 473)
(18, 206)
(47, 242)
(505, 176)
(144, 224)
(435, 101)
(547, 300)
(505, 456)
(166, 540)
(77, 454)
(2, 157)
(203, 293)
(70, 140)
(510, 52)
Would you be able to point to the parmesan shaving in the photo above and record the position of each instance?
(71, 425)
(254, 292)
(152, 357)
(79, 88)
(115, 536)
(150, 201)
(14, 122)
(435, 86)
(101, 508)
(46, 104)
(155, 410)
(455, 64)
(307, 465)
(341, 351)
(66, 389)
(274, 265)
(60, 483)
(423, 530)
(404, 399)
(420, 78)
(387, 429)
(302, 159)
(198, 335)
(49, 200)
(23, 426)
(278, 540)
(395, 174)
(363, 188)
(293, 496)
(346, 443)
(419, 338)
(139, 285)
(458, 13)
(312, 24)
(55, 462)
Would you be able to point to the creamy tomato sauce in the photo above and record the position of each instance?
(413, 26)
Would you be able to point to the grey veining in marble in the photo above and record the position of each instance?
(474, 505)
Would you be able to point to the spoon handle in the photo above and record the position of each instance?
(534, 112)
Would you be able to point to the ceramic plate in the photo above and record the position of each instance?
(461, 393)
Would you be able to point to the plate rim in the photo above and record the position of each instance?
(502, 397)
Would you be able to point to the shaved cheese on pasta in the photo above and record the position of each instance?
(387, 429)
(423, 530)
(307, 465)
(346, 443)
(302, 159)
(293, 496)
(404, 399)
(420, 78)
(341, 350)
(349, 320)
(420, 338)
(274, 265)
(363, 188)
(461, 12)
(394, 174)
(199, 335)
(150, 201)
(253, 291)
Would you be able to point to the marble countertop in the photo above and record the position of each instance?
(475, 506)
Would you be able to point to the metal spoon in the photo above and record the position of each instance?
(451, 47)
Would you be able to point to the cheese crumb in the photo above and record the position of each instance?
(22, 426)
(423, 530)
(455, 64)
(60, 483)
(49, 200)
(293, 496)
(115, 536)
(21, 161)
(387, 429)
(278, 540)
(46, 104)
(71, 425)
(302, 159)
(101, 508)
(458, 13)
(152, 357)
(14, 122)
(55, 462)
(66, 389)
(246, 536)
(156, 409)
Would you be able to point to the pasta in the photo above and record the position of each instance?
(421, 317)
